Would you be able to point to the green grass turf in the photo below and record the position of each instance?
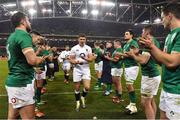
(61, 102)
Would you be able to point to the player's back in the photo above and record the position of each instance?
(20, 72)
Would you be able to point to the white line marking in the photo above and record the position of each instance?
(68, 93)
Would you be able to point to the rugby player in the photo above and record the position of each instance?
(170, 59)
(98, 64)
(66, 65)
(81, 55)
(150, 74)
(131, 70)
(21, 59)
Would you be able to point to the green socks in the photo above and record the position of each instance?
(109, 87)
(132, 96)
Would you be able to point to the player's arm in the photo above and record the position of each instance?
(31, 57)
(37, 52)
(89, 58)
(142, 58)
(169, 60)
(72, 59)
(116, 58)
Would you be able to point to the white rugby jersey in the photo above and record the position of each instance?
(64, 54)
(79, 52)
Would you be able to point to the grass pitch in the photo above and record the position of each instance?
(61, 102)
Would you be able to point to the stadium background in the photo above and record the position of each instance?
(60, 21)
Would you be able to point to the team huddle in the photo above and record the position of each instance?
(29, 59)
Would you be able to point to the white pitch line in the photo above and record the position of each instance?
(67, 93)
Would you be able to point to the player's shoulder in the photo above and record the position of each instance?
(75, 47)
(87, 46)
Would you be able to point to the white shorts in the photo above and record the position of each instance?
(51, 65)
(131, 74)
(81, 74)
(117, 72)
(149, 86)
(21, 96)
(66, 66)
(98, 66)
(170, 103)
(40, 76)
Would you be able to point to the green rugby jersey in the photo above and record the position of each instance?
(99, 55)
(130, 62)
(119, 63)
(150, 68)
(20, 72)
(171, 77)
(43, 53)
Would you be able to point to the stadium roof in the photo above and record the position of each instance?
(124, 11)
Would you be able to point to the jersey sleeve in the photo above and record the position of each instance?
(176, 47)
(120, 50)
(135, 44)
(156, 42)
(46, 52)
(62, 55)
(89, 50)
(73, 51)
(26, 41)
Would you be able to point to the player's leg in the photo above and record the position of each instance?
(12, 112)
(130, 76)
(77, 79)
(51, 70)
(116, 76)
(39, 84)
(98, 84)
(153, 103)
(100, 74)
(155, 88)
(148, 108)
(86, 84)
(77, 95)
(163, 115)
(27, 112)
(68, 68)
(98, 69)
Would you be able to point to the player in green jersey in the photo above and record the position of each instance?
(40, 73)
(170, 59)
(116, 70)
(98, 64)
(21, 59)
(131, 70)
(150, 75)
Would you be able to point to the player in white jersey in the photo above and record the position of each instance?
(81, 55)
(66, 66)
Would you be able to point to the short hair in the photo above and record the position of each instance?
(117, 41)
(35, 33)
(16, 18)
(174, 8)
(82, 35)
(109, 42)
(97, 43)
(149, 28)
(102, 46)
(130, 31)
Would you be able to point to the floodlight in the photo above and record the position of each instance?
(94, 12)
